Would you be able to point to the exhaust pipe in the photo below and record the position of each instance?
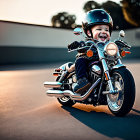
(52, 84)
(72, 95)
(55, 93)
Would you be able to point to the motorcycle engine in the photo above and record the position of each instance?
(95, 72)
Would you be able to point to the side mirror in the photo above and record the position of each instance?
(122, 33)
(77, 31)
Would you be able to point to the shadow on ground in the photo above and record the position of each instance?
(127, 127)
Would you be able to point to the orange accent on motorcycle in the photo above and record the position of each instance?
(128, 52)
(123, 53)
(106, 76)
(89, 53)
(55, 74)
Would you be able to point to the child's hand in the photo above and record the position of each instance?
(81, 48)
(73, 45)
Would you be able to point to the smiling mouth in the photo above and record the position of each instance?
(102, 37)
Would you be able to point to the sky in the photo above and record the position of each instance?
(41, 11)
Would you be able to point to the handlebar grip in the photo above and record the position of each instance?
(127, 46)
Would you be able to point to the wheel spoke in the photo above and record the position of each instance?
(64, 99)
(115, 101)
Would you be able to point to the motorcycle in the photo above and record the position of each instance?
(112, 83)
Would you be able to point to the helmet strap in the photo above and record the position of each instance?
(89, 33)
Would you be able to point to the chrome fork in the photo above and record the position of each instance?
(106, 72)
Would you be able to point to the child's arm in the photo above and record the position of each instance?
(72, 68)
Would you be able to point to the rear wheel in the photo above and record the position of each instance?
(65, 100)
(122, 102)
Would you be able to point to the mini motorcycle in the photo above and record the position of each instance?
(112, 83)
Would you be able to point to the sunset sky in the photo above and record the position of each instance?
(41, 11)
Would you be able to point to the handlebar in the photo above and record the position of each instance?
(90, 44)
(122, 44)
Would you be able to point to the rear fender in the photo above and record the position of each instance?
(63, 67)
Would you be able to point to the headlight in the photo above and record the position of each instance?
(111, 49)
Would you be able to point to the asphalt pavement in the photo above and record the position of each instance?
(26, 113)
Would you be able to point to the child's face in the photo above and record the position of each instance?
(101, 33)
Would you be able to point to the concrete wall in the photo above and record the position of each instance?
(22, 55)
(16, 34)
(25, 43)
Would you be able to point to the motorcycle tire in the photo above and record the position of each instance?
(121, 103)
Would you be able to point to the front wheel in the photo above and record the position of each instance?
(121, 103)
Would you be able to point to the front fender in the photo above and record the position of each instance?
(118, 66)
